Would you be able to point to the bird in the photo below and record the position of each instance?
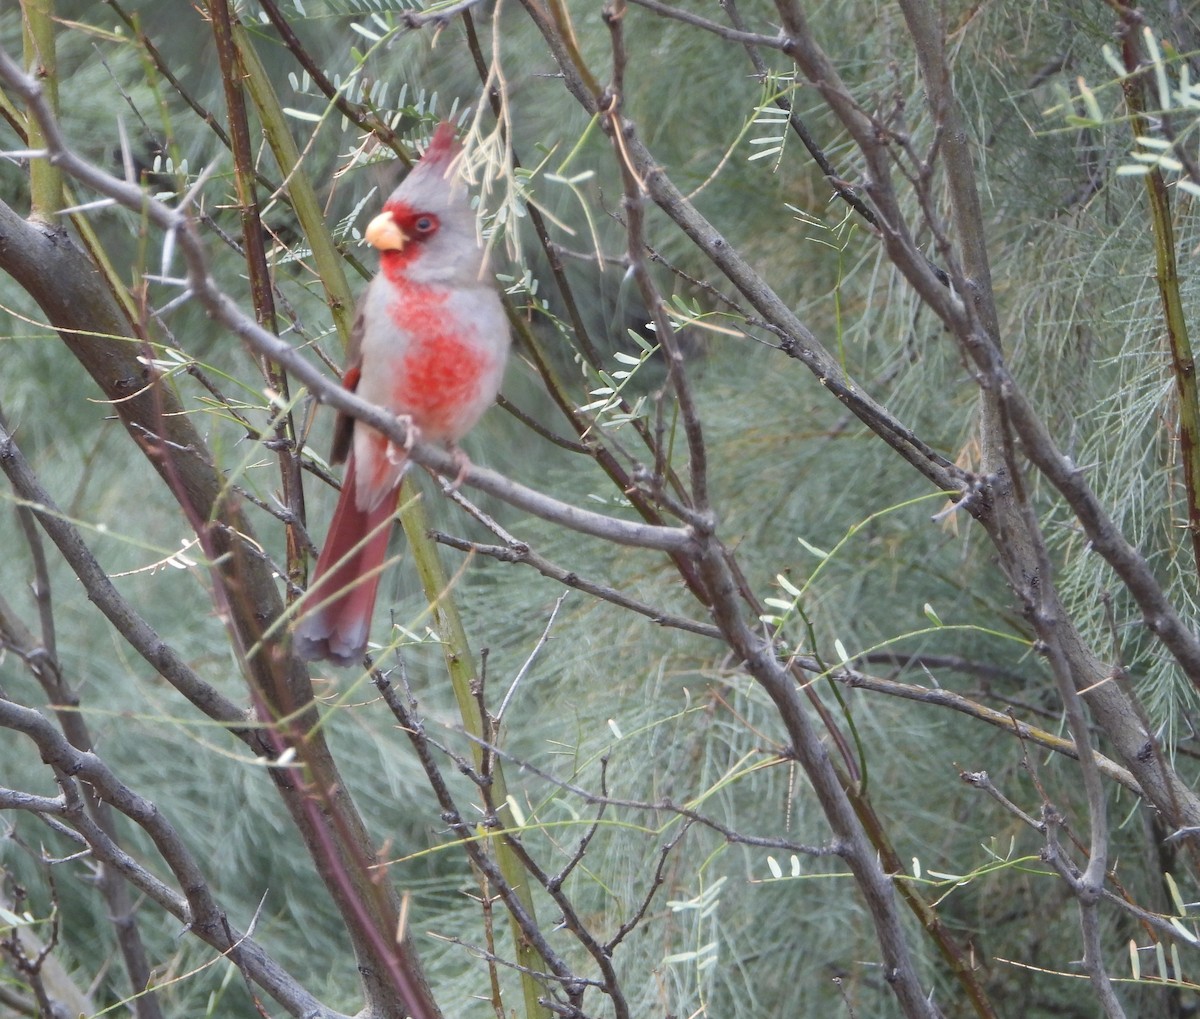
(429, 343)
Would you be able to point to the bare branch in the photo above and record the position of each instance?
(157, 652)
(197, 907)
(225, 311)
(1001, 720)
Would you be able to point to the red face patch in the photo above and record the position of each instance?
(417, 227)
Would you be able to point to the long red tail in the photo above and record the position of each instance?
(341, 597)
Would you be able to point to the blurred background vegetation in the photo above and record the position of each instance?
(673, 715)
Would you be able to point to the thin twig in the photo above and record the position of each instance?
(135, 630)
(523, 671)
(226, 312)
(519, 552)
(197, 907)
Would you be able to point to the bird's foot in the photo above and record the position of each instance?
(399, 454)
(463, 463)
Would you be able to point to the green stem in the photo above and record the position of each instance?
(259, 273)
(326, 257)
(45, 180)
(371, 908)
(1183, 363)
(465, 679)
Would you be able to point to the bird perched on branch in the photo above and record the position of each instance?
(429, 344)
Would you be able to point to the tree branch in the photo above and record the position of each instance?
(197, 907)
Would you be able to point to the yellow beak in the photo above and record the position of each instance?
(384, 234)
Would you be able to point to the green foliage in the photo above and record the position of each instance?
(832, 532)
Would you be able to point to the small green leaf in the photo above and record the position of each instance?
(1089, 101)
(1176, 898)
(787, 585)
(1160, 69)
(11, 919)
(809, 546)
(1188, 935)
(766, 153)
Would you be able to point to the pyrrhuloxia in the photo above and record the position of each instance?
(429, 343)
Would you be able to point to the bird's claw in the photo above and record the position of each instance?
(399, 454)
(463, 462)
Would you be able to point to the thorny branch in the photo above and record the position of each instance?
(204, 289)
(973, 325)
(415, 730)
(196, 907)
(970, 318)
(132, 627)
(42, 660)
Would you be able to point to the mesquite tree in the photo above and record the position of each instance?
(814, 628)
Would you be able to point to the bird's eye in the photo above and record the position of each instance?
(425, 225)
